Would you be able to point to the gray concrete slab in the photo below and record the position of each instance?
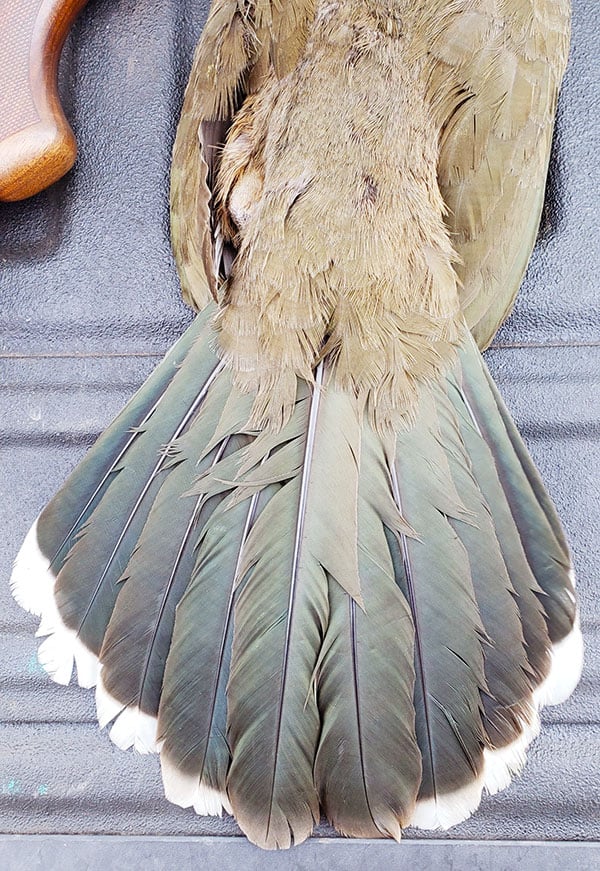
(218, 854)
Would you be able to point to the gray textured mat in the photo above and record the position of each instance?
(90, 300)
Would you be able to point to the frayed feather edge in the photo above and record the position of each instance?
(187, 791)
(61, 650)
(503, 763)
(131, 727)
(499, 767)
(31, 581)
(32, 585)
(566, 665)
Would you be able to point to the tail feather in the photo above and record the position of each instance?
(510, 711)
(539, 528)
(304, 534)
(319, 616)
(532, 474)
(54, 533)
(507, 701)
(78, 605)
(546, 554)
(368, 765)
(138, 635)
(88, 583)
(192, 724)
(435, 578)
(527, 590)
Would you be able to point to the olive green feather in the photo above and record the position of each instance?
(62, 519)
(533, 514)
(435, 577)
(88, 583)
(368, 765)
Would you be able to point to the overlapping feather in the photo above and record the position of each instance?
(138, 636)
(192, 728)
(535, 520)
(59, 524)
(86, 586)
(368, 764)
(507, 701)
(304, 565)
(433, 572)
(304, 534)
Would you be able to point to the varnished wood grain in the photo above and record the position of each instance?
(37, 145)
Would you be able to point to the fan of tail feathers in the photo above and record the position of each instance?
(318, 617)
(321, 616)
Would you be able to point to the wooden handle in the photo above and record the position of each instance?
(37, 146)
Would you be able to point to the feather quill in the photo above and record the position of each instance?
(56, 530)
(528, 592)
(300, 607)
(507, 703)
(546, 554)
(192, 727)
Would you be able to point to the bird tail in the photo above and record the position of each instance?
(320, 618)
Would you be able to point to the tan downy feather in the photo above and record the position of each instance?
(346, 257)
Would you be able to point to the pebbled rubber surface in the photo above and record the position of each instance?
(89, 303)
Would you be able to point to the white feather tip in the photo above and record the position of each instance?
(187, 791)
(131, 727)
(504, 763)
(32, 581)
(448, 810)
(565, 669)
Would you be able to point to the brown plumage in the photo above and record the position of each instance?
(341, 587)
(396, 172)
